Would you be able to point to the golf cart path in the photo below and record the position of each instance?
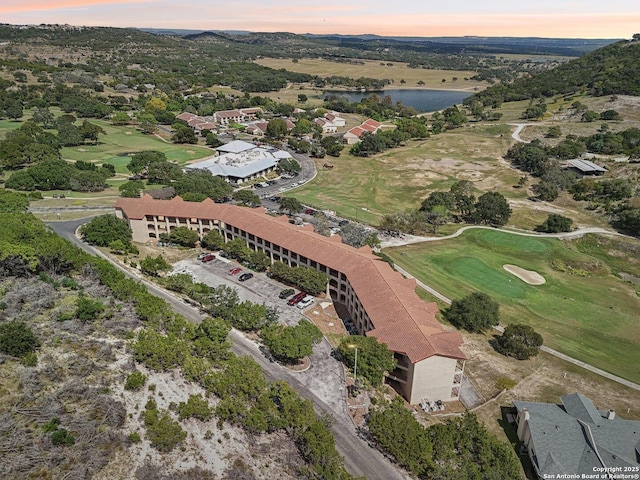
(519, 127)
(410, 239)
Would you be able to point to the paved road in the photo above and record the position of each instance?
(359, 457)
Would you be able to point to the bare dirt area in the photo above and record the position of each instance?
(216, 448)
(543, 378)
(527, 276)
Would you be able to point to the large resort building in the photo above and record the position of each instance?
(381, 302)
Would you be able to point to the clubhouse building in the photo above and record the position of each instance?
(238, 162)
(380, 301)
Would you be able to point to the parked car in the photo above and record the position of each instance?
(208, 258)
(245, 276)
(297, 298)
(235, 271)
(309, 211)
(342, 223)
(286, 293)
(203, 254)
(307, 301)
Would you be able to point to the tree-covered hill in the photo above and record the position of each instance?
(610, 70)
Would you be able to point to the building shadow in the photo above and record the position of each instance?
(508, 423)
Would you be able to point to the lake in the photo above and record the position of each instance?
(422, 100)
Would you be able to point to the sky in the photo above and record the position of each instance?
(423, 18)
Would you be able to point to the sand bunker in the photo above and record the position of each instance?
(527, 276)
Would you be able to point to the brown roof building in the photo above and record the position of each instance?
(381, 302)
(353, 135)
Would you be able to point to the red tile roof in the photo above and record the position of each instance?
(357, 131)
(400, 318)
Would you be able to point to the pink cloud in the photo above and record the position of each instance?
(18, 6)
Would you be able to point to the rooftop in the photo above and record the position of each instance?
(586, 166)
(400, 318)
(575, 437)
(241, 160)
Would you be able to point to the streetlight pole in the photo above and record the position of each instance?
(355, 370)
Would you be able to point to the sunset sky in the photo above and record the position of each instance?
(540, 18)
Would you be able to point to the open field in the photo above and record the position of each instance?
(373, 69)
(592, 318)
(401, 178)
(543, 378)
(120, 141)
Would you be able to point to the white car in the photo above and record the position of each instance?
(305, 302)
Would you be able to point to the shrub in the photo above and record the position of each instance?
(105, 229)
(87, 309)
(555, 224)
(374, 358)
(62, 437)
(17, 339)
(135, 381)
(30, 360)
(290, 344)
(518, 341)
(163, 432)
(52, 425)
(475, 312)
(196, 407)
(134, 437)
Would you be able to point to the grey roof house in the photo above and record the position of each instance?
(575, 438)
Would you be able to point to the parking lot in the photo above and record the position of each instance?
(325, 376)
(259, 289)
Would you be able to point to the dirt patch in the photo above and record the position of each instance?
(527, 276)
(627, 277)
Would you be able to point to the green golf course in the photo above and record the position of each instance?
(583, 309)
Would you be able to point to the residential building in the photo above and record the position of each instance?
(336, 119)
(577, 440)
(353, 135)
(227, 117)
(380, 301)
(326, 125)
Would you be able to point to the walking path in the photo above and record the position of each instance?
(548, 350)
(516, 133)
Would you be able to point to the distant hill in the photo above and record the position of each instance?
(572, 47)
(523, 45)
(613, 69)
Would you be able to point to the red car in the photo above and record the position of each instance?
(235, 271)
(297, 298)
(207, 258)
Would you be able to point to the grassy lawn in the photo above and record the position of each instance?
(120, 141)
(400, 178)
(591, 318)
(397, 71)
